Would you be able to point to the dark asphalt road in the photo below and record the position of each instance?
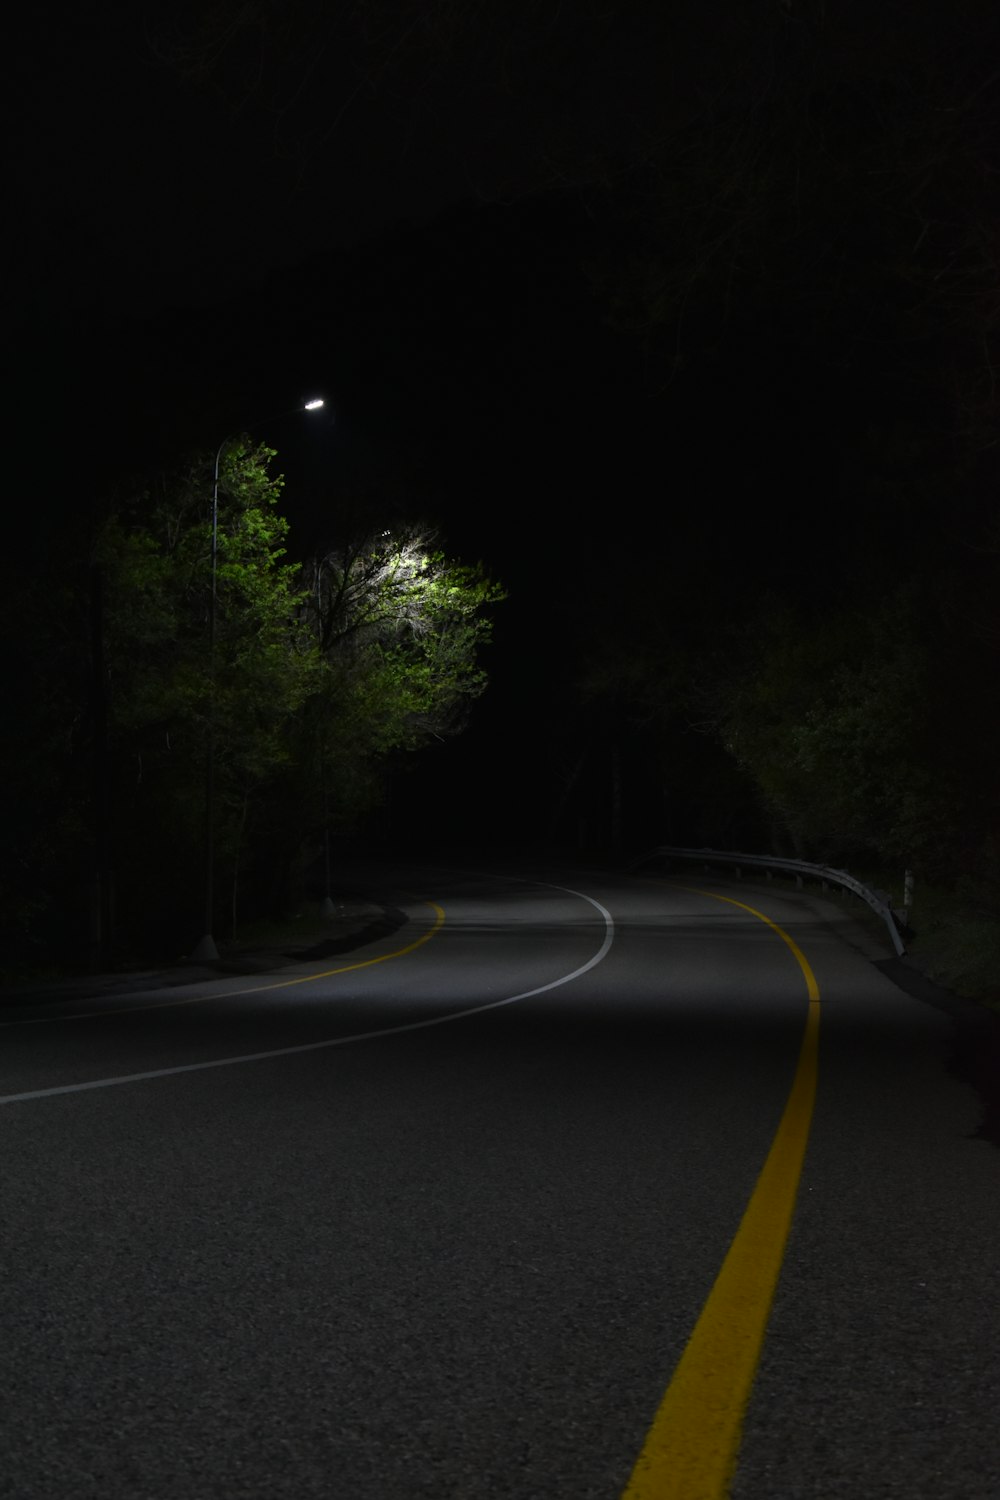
(461, 1260)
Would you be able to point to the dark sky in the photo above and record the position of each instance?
(392, 204)
(167, 153)
(216, 210)
(625, 296)
(386, 201)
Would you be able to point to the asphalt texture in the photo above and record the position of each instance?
(447, 1234)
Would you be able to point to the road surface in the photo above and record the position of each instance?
(451, 1215)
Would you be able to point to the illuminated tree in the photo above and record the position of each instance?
(400, 631)
(320, 676)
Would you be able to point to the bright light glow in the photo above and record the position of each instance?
(314, 404)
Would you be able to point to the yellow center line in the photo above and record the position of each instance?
(691, 1449)
(255, 989)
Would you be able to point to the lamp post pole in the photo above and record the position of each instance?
(206, 948)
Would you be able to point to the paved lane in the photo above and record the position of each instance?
(462, 1260)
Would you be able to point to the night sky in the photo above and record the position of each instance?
(622, 297)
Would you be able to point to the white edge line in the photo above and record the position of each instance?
(339, 1041)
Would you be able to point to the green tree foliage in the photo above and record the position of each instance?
(392, 610)
(167, 678)
(189, 677)
(860, 729)
(867, 732)
(301, 685)
(813, 281)
(399, 631)
(831, 720)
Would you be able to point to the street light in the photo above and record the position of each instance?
(206, 949)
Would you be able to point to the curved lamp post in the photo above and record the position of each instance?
(206, 948)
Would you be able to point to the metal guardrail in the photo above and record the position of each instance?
(801, 869)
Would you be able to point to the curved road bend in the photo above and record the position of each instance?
(440, 1217)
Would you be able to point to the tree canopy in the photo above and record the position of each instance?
(188, 678)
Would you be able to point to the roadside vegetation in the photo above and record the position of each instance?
(161, 678)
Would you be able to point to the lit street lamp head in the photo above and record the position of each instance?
(314, 404)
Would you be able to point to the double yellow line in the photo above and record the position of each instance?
(691, 1449)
